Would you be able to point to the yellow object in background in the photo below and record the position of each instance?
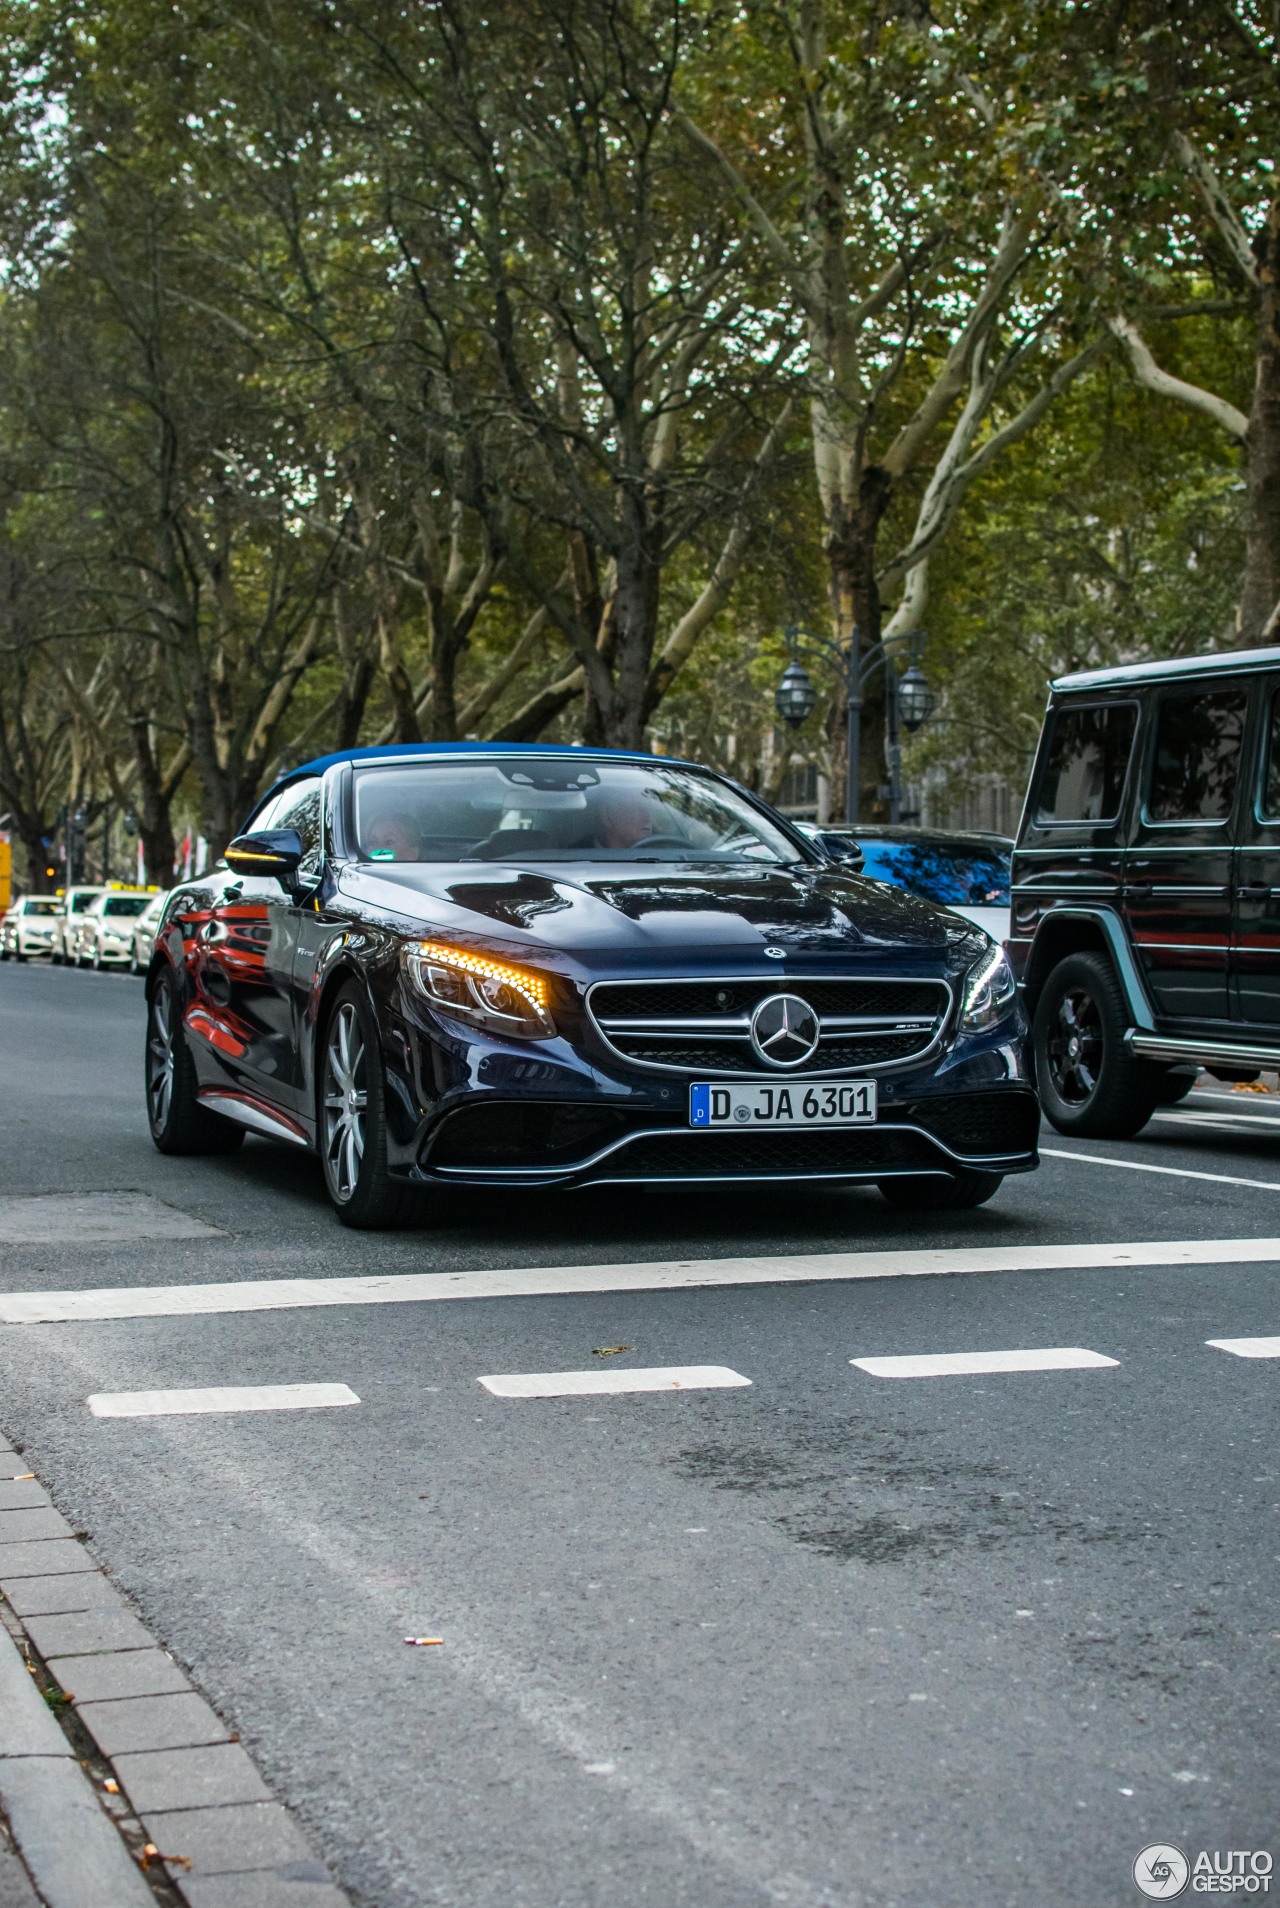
(6, 875)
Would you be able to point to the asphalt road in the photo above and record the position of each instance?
(831, 1638)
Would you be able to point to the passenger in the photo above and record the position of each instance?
(393, 835)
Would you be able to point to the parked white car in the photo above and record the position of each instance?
(144, 932)
(30, 926)
(106, 931)
(75, 905)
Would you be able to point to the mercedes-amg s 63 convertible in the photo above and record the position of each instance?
(477, 965)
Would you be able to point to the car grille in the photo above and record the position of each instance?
(1005, 1121)
(685, 1155)
(704, 1026)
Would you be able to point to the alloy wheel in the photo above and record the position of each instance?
(1074, 1046)
(346, 1100)
(160, 1057)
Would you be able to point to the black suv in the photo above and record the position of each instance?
(1146, 886)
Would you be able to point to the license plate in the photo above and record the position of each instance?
(850, 1103)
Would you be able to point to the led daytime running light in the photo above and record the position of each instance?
(532, 986)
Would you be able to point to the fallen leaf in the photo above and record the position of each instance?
(151, 1854)
(610, 1351)
(111, 1786)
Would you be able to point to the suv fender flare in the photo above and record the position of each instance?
(1115, 941)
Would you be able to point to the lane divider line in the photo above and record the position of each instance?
(582, 1384)
(663, 1275)
(164, 1404)
(1174, 1172)
(1247, 1347)
(979, 1364)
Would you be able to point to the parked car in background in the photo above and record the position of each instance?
(1146, 918)
(29, 926)
(105, 938)
(144, 932)
(967, 873)
(68, 922)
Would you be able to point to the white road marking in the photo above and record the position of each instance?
(1247, 1347)
(1228, 1120)
(164, 1404)
(98, 1218)
(976, 1364)
(575, 1384)
(1140, 1166)
(663, 1275)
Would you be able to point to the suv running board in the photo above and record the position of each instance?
(1205, 1053)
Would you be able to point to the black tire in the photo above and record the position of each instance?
(929, 1192)
(55, 959)
(18, 955)
(1098, 1090)
(1174, 1087)
(135, 965)
(351, 1121)
(179, 1123)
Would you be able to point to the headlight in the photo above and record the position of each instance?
(489, 993)
(989, 991)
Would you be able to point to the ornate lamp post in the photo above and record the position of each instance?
(909, 699)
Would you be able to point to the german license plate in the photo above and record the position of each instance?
(850, 1103)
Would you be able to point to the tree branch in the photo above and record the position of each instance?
(1148, 373)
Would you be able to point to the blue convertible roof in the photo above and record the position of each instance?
(399, 751)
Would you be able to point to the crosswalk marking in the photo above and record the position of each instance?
(977, 1364)
(579, 1384)
(1172, 1172)
(163, 1404)
(267, 1295)
(1247, 1347)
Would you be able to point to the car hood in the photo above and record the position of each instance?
(603, 908)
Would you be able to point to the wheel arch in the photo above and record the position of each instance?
(1066, 931)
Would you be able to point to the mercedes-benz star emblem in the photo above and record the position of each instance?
(776, 953)
(785, 1030)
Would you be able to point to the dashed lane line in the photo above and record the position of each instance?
(1247, 1347)
(1227, 1120)
(1141, 1166)
(979, 1364)
(267, 1295)
(164, 1404)
(581, 1384)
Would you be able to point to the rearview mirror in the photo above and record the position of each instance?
(841, 848)
(276, 851)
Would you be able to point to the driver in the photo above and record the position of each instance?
(393, 834)
(624, 820)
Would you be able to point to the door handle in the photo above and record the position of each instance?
(1253, 891)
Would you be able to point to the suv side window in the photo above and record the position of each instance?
(1197, 756)
(1085, 761)
(1271, 786)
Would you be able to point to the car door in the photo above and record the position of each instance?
(247, 950)
(1179, 866)
(1256, 929)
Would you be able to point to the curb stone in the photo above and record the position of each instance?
(199, 1798)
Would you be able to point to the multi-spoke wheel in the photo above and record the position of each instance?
(351, 1090)
(1089, 1082)
(179, 1123)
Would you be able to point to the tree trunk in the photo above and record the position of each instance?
(1260, 599)
(154, 823)
(635, 611)
(851, 540)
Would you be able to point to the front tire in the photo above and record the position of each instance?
(179, 1123)
(1089, 1082)
(353, 1121)
(930, 1192)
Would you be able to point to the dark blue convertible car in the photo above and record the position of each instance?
(531, 966)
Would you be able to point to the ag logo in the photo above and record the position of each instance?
(1162, 1871)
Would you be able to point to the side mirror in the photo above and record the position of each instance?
(841, 848)
(276, 851)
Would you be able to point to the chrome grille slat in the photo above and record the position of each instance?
(869, 1024)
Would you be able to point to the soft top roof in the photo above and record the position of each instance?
(1131, 675)
(400, 751)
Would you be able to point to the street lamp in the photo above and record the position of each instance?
(908, 697)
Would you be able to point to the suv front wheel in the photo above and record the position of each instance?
(1088, 1080)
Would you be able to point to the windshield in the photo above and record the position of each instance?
(939, 871)
(41, 907)
(81, 899)
(556, 808)
(125, 904)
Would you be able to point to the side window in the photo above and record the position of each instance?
(1197, 756)
(1085, 763)
(1271, 787)
(300, 808)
